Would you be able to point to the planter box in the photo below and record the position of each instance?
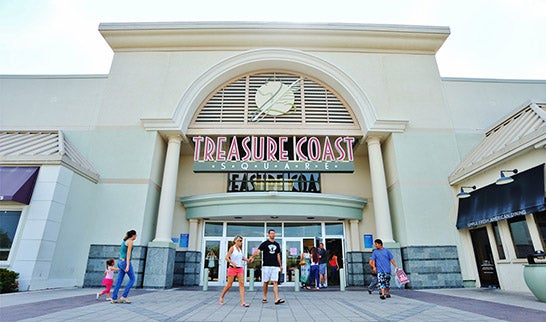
(534, 275)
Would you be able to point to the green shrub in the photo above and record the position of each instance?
(8, 281)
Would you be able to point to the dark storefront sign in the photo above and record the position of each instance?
(17, 183)
(288, 181)
(498, 202)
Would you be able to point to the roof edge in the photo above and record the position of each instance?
(345, 37)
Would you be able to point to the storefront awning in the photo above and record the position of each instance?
(17, 183)
(493, 203)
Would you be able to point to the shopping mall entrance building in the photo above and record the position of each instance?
(332, 133)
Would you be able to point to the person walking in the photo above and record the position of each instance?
(323, 263)
(235, 259)
(305, 259)
(334, 267)
(125, 267)
(373, 283)
(380, 262)
(271, 265)
(108, 279)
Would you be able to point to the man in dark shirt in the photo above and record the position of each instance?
(323, 262)
(271, 265)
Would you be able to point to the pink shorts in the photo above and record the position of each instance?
(234, 271)
(107, 282)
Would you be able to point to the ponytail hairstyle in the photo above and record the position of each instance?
(110, 262)
(129, 234)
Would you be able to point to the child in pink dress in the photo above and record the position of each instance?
(108, 279)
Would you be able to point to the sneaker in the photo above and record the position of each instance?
(388, 295)
(109, 299)
(115, 301)
(369, 292)
(98, 295)
(124, 300)
(324, 286)
(382, 297)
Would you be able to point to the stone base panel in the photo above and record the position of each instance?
(187, 265)
(426, 267)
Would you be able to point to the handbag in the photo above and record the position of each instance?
(280, 280)
(303, 262)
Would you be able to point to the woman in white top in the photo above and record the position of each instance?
(235, 259)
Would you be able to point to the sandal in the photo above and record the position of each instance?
(245, 305)
(264, 301)
(279, 301)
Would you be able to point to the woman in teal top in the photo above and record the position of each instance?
(125, 267)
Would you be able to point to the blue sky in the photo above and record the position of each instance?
(489, 38)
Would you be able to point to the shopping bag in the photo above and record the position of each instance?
(401, 278)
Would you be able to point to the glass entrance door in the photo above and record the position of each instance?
(215, 250)
(484, 258)
(292, 250)
(251, 245)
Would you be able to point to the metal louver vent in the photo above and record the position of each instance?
(523, 129)
(234, 104)
(43, 147)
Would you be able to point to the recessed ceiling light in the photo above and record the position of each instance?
(238, 217)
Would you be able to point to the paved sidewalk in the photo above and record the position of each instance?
(193, 304)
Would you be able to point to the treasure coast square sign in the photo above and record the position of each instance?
(273, 154)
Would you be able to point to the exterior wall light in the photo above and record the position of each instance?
(504, 179)
(464, 194)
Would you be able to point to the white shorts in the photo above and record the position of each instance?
(270, 273)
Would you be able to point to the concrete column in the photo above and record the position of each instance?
(192, 243)
(167, 200)
(355, 235)
(379, 191)
(160, 257)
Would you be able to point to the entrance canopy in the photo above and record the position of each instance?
(17, 183)
(261, 206)
(497, 202)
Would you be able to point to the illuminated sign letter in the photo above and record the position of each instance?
(233, 152)
(197, 140)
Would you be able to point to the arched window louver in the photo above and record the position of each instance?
(234, 104)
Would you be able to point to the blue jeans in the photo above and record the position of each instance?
(121, 274)
(333, 274)
(314, 275)
(373, 284)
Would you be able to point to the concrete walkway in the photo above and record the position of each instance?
(193, 304)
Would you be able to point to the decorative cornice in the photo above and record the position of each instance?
(336, 37)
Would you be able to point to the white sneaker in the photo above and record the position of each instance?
(109, 299)
(98, 295)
